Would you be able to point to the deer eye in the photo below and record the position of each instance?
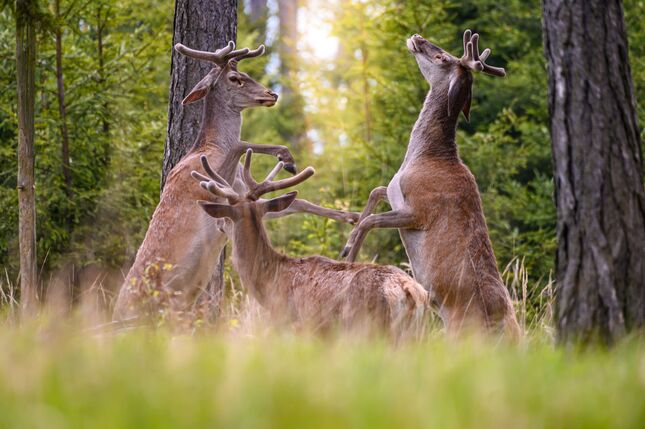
(438, 57)
(236, 79)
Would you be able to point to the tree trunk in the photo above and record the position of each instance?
(25, 70)
(62, 109)
(206, 25)
(101, 22)
(597, 172)
(257, 10)
(291, 105)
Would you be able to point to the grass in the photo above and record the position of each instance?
(56, 373)
(59, 378)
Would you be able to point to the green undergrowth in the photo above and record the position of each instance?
(58, 378)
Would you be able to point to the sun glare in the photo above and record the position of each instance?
(316, 40)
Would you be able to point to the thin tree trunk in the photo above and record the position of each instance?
(199, 24)
(257, 10)
(597, 171)
(206, 25)
(62, 110)
(25, 70)
(101, 22)
(291, 104)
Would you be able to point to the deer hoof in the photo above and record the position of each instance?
(291, 168)
(345, 252)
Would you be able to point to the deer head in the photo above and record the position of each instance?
(233, 86)
(439, 67)
(247, 205)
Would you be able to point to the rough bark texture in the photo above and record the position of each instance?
(25, 70)
(205, 25)
(597, 171)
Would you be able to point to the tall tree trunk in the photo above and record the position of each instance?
(257, 10)
(206, 25)
(597, 171)
(199, 24)
(62, 109)
(25, 70)
(101, 22)
(291, 104)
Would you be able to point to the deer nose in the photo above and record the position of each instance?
(272, 94)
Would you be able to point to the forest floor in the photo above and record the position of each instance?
(57, 376)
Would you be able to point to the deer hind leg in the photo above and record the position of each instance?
(304, 206)
(394, 219)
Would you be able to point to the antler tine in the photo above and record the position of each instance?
(493, 71)
(467, 35)
(212, 173)
(469, 60)
(247, 178)
(274, 172)
(214, 57)
(221, 191)
(256, 190)
(270, 186)
(251, 54)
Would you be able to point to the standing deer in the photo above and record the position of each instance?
(435, 202)
(180, 236)
(315, 292)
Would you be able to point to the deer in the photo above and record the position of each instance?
(313, 292)
(182, 239)
(436, 205)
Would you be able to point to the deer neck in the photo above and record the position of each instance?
(435, 130)
(221, 123)
(256, 262)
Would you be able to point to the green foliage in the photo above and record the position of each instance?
(146, 380)
(116, 121)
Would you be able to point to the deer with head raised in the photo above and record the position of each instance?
(314, 292)
(435, 202)
(179, 235)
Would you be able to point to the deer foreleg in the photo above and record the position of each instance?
(304, 206)
(394, 219)
(377, 195)
(280, 152)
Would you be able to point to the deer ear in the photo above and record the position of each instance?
(279, 203)
(459, 91)
(219, 210)
(201, 89)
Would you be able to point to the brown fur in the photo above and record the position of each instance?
(180, 236)
(437, 207)
(316, 292)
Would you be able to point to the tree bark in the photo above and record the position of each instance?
(257, 10)
(101, 23)
(62, 109)
(205, 25)
(25, 71)
(291, 104)
(597, 171)
(199, 24)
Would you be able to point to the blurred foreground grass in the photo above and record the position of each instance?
(61, 379)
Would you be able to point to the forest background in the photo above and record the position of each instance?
(353, 94)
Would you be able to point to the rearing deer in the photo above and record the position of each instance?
(179, 234)
(435, 202)
(315, 292)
